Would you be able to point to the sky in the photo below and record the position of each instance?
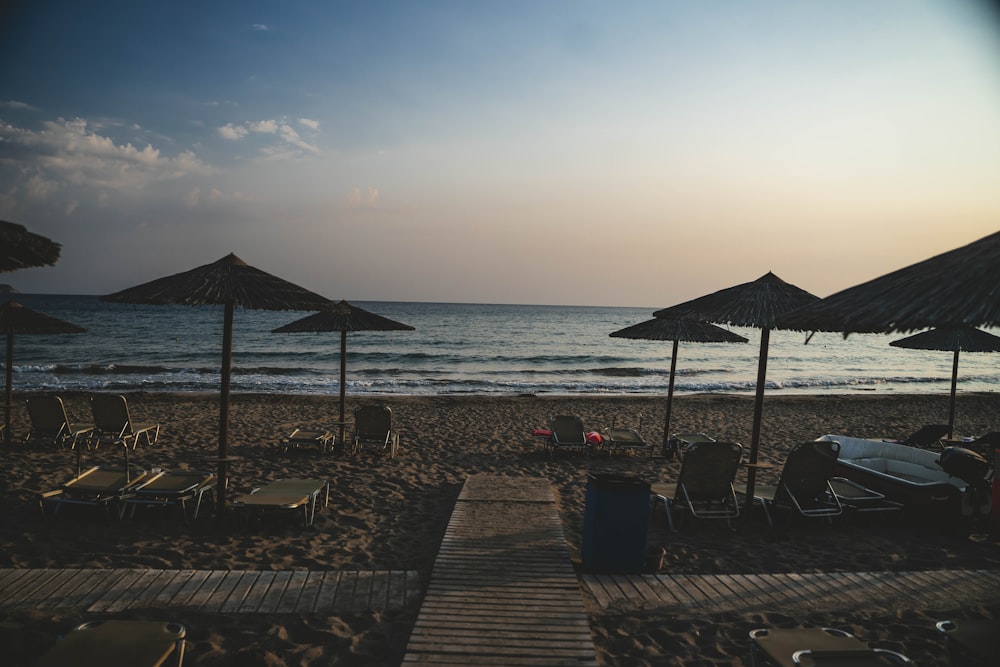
(533, 152)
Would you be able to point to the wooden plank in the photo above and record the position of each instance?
(254, 597)
(345, 591)
(105, 580)
(50, 589)
(200, 597)
(396, 593)
(310, 589)
(234, 603)
(327, 592)
(112, 593)
(88, 579)
(183, 596)
(271, 599)
(171, 588)
(24, 586)
(153, 582)
(293, 591)
(230, 579)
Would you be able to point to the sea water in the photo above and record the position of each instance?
(477, 349)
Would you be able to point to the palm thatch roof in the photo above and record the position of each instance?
(755, 304)
(18, 319)
(958, 287)
(343, 316)
(229, 280)
(951, 339)
(689, 331)
(23, 249)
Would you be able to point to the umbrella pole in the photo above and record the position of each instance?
(670, 398)
(343, 378)
(9, 395)
(951, 410)
(758, 410)
(227, 364)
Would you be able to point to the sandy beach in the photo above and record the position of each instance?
(391, 514)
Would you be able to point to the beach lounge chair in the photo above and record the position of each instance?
(857, 498)
(925, 436)
(804, 486)
(819, 647)
(568, 434)
(972, 642)
(113, 424)
(49, 423)
(115, 643)
(678, 443)
(625, 439)
(100, 486)
(322, 439)
(171, 489)
(287, 495)
(373, 426)
(704, 487)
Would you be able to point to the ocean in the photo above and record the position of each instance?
(473, 349)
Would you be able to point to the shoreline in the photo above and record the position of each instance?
(391, 515)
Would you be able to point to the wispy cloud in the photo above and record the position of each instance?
(261, 27)
(357, 199)
(280, 129)
(15, 104)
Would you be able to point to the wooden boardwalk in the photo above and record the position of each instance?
(824, 592)
(211, 591)
(503, 589)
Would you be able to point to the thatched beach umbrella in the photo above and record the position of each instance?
(16, 319)
(955, 340)
(958, 287)
(21, 249)
(229, 282)
(343, 317)
(689, 331)
(755, 304)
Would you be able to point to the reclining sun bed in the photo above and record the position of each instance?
(171, 489)
(285, 495)
(113, 642)
(818, 647)
(101, 486)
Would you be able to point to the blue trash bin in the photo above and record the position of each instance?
(615, 523)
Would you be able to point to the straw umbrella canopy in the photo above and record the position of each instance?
(689, 331)
(228, 282)
(955, 340)
(23, 249)
(756, 304)
(343, 317)
(958, 287)
(17, 319)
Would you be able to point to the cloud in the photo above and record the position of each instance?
(231, 132)
(66, 153)
(355, 199)
(14, 104)
(292, 143)
(261, 27)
